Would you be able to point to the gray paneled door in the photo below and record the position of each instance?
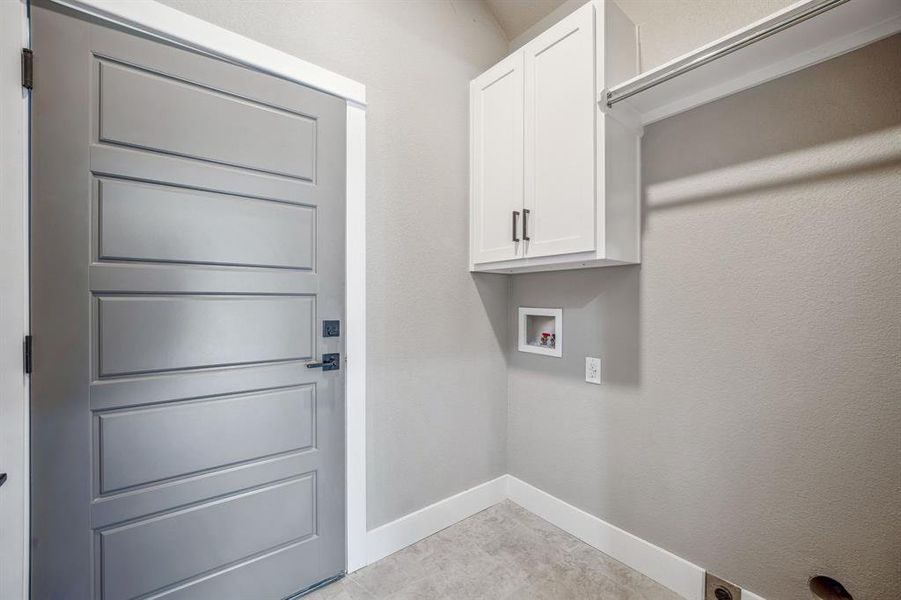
(187, 242)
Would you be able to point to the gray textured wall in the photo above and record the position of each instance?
(751, 416)
(436, 391)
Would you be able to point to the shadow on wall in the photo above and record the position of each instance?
(754, 157)
(493, 292)
(821, 110)
(601, 318)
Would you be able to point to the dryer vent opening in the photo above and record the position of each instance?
(827, 588)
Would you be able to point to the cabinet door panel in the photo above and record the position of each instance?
(496, 100)
(559, 137)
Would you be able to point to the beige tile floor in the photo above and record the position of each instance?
(501, 553)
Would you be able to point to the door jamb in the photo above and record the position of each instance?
(14, 390)
(152, 18)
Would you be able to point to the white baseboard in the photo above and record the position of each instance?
(409, 529)
(679, 575)
(664, 567)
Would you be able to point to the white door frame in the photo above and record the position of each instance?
(13, 302)
(155, 19)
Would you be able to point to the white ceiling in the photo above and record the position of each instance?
(516, 16)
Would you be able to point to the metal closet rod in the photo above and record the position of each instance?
(616, 95)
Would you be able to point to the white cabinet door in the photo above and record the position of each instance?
(496, 101)
(559, 137)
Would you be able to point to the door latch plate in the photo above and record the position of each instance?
(330, 362)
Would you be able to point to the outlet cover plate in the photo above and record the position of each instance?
(720, 589)
(593, 370)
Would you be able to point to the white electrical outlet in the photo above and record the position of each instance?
(592, 369)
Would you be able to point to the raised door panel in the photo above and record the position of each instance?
(496, 99)
(142, 222)
(187, 331)
(201, 435)
(559, 138)
(202, 538)
(194, 121)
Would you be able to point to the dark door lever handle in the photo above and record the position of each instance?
(330, 362)
(2, 479)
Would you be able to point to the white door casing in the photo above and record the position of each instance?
(13, 303)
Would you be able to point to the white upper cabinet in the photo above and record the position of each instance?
(559, 138)
(497, 130)
(554, 179)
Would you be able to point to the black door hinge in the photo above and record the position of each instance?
(27, 356)
(27, 68)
